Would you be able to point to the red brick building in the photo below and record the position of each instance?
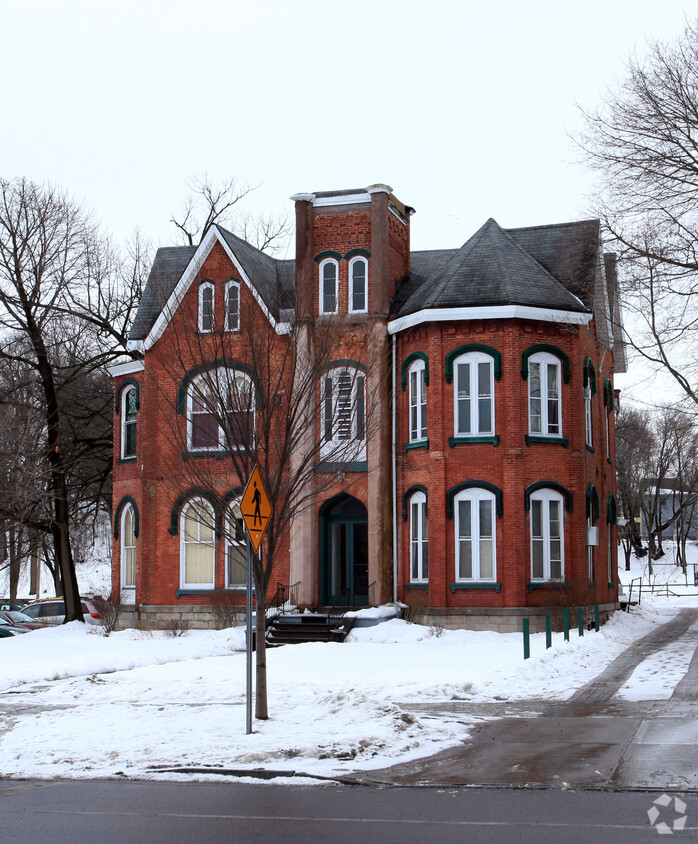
(460, 424)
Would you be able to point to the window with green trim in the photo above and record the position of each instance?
(418, 401)
(329, 280)
(476, 558)
(544, 397)
(197, 545)
(473, 395)
(419, 539)
(547, 535)
(358, 285)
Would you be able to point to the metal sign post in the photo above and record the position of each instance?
(248, 719)
(256, 512)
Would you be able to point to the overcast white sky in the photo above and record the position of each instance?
(464, 108)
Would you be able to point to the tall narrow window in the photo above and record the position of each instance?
(329, 275)
(419, 539)
(206, 307)
(544, 407)
(589, 384)
(475, 535)
(547, 539)
(235, 548)
(129, 418)
(343, 422)
(232, 306)
(418, 401)
(197, 549)
(358, 285)
(474, 395)
(128, 548)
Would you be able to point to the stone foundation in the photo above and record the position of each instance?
(165, 617)
(509, 619)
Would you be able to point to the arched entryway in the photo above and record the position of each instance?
(344, 552)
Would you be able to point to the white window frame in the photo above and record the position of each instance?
(204, 286)
(419, 538)
(587, 417)
(590, 551)
(544, 497)
(125, 549)
(218, 380)
(416, 378)
(475, 496)
(323, 264)
(353, 263)
(234, 539)
(473, 359)
(543, 360)
(125, 422)
(202, 503)
(232, 325)
(348, 420)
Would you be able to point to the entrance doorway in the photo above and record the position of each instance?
(344, 552)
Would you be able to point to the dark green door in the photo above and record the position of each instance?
(345, 558)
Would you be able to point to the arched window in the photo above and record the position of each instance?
(473, 395)
(476, 557)
(235, 548)
(589, 385)
(418, 401)
(232, 306)
(206, 306)
(343, 414)
(547, 535)
(221, 411)
(419, 539)
(197, 545)
(128, 547)
(358, 285)
(129, 414)
(544, 397)
(329, 276)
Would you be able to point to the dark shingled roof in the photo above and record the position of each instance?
(491, 268)
(273, 279)
(168, 266)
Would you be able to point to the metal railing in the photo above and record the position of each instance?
(285, 598)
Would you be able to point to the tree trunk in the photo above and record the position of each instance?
(261, 707)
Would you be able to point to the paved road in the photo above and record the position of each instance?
(591, 740)
(116, 812)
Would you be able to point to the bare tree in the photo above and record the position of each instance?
(64, 315)
(211, 204)
(643, 141)
(634, 441)
(262, 396)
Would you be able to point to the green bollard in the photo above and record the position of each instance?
(548, 631)
(526, 639)
(597, 619)
(580, 620)
(566, 623)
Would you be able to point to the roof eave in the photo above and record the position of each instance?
(488, 312)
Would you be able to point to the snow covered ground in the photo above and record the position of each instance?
(75, 703)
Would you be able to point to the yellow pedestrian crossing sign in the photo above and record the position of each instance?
(256, 508)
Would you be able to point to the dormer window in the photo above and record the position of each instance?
(206, 307)
(329, 274)
(358, 285)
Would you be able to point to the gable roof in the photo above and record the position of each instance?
(491, 268)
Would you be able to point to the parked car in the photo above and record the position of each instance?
(19, 619)
(52, 611)
(7, 629)
(6, 604)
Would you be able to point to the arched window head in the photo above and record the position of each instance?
(197, 545)
(235, 548)
(329, 279)
(128, 547)
(419, 539)
(206, 307)
(547, 535)
(232, 306)
(418, 400)
(358, 285)
(475, 535)
(129, 422)
(473, 395)
(343, 422)
(221, 411)
(544, 397)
